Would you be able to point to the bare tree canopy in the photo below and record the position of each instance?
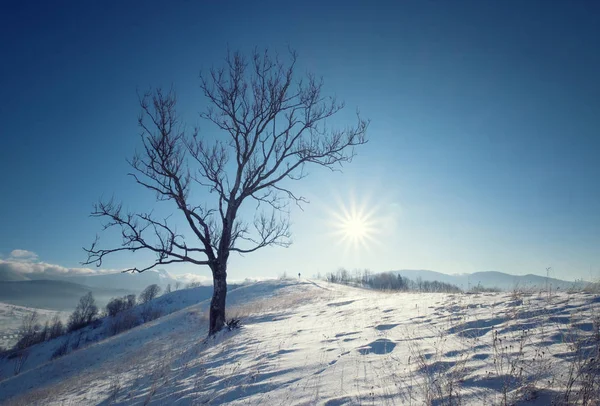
(273, 125)
(150, 293)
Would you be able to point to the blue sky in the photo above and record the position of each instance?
(483, 145)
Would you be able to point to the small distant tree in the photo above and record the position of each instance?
(29, 332)
(344, 275)
(168, 288)
(20, 360)
(45, 332)
(177, 285)
(116, 306)
(420, 284)
(131, 301)
(149, 293)
(273, 125)
(85, 312)
(56, 328)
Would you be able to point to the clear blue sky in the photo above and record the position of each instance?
(484, 149)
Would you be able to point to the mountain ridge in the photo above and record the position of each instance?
(53, 294)
(490, 279)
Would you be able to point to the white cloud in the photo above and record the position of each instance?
(26, 267)
(207, 280)
(26, 262)
(192, 277)
(23, 255)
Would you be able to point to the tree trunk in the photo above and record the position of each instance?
(217, 304)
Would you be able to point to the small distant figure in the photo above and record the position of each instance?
(298, 275)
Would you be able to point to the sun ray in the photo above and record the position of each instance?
(354, 226)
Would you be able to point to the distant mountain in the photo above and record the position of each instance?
(53, 294)
(490, 279)
(135, 282)
(130, 281)
(8, 275)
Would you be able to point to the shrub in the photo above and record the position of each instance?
(29, 332)
(233, 324)
(85, 312)
(149, 313)
(62, 349)
(122, 322)
(131, 301)
(56, 328)
(149, 293)
(116, 306)
(582, 386)
(20, 360)
(479, 288)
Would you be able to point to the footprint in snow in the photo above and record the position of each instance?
(379, 347)
(383, 327)
(453, 353)
(341, 303)
(347, 334)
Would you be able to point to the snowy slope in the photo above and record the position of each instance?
(11, 317)
(307, 343)
(165, 304)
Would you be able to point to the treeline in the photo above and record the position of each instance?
(32, 332)
(87, 313)
(120, 314)
(388, 281)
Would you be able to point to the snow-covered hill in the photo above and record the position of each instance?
(305, 343)
(11, 317)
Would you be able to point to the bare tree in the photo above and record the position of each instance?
(85, 312)
(272, 126)
(56, 328)
(131, 301)
(116, 306)
(149, 293)
(29, 331)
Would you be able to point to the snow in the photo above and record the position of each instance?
(11, 317)
(310, 342)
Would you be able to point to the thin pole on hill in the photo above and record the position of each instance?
(548, 281)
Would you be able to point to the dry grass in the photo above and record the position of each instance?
(438, 381)
(518, 361)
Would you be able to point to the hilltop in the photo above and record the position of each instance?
(311, 342)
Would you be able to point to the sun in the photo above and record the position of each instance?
(354, 223)
(355, 227)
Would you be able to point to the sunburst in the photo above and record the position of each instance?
(354, 226)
